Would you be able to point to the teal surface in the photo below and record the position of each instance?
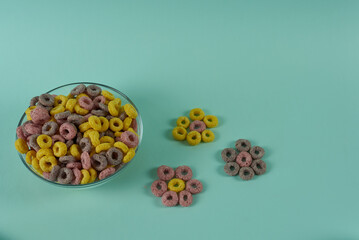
(282, 74)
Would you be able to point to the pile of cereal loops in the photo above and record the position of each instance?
(247, 162)
(80, 138)
(175, 190)
(197, 127)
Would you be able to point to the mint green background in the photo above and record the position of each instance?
(283, 74)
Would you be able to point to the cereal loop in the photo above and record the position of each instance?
(95, 138)
(93, 175)
(129, 156)
(95, 123)
(85, 176)
(116, 124)
(107, 139)
(165, 173)
(21, 146)
(56, 110)
(60, 100)
(193, 138)
(70, 105)
(170, 199)
(244, 159)
(106, 173)
(109, 96)
(211, 121)
(176, 185)
(29, 156)
(113, 108)
(36, 166)
(120, 145)
(196, 114)
(44, 152)
(184, 173)
(68, 131)
(207, 136)
(80, 110)
(77, 176)
(198, 126)
(86, 103)
(194, 186)
(47, 163)
(84, 127)
(179, 133)
(183, 122)
(104, 124)
(127, 123)
(158, 188)
(103, 147)
(44, 141)
(130, 139)
(75, 151)
(185, 198)
(130, 111)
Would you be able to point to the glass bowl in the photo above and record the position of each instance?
(65, 90)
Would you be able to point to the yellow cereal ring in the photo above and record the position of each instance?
(116, 124)
(127, 123)
(118, 102)
(95, 138)
(196, 114)
(21, 146)
(93, 175)
(44, 152)
(128, 157)
(59, 149)
(87, 133)
(120, 145)
(70, 105)
(57, 109)
(35, 165)
(81, 95)
(28, 111)
(103, 147)
(211, 121)
(44, 141)
(95, 123)
(70, 96)
(75, 151)
(109, 96)
(104, 124)
(107, 139)
(193, 138)
(113, 108)
(130, 111)
(47, 163)
(84, 126)
(179, 133)
(60, 99)
(85, 176)
(80, 110)
(183, 122)
(118, 134)
(176, 185)
(29, 156)
(207, 136)
(53, 119)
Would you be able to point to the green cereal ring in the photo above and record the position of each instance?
(231, 168)
(229, 155)
(257, 152)
(243, 145)
(246, 173)
(47, 100)
(259, 166)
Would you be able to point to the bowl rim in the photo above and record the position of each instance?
(96, 183)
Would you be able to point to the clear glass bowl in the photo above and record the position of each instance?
(65, 90)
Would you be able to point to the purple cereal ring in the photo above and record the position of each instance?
(103, 107)
(78, 137)
(184, 173)
(65, 176)
(76, 119)
(68, 131)
(109, 133)
(158, 188)
(42, 106)
(77, 176)
(134, 125)
(77, 165)
(170, 199)
(86, 103)
(123, 116)
(33, 142)
(198, 126)
(57, 138)
(86, 160)
(99, 162)
(185, 198)
(106, 173)
(257, 152)
(69, 143)
(50, 128)
(129, 138)
(85, 145)
(246, 173)
(165, 173)
(54, 173)
(67, 159)
(47, 100)
(97, 100)
(99, 113)
(114, 156)
(78, 90)
(46, 175)
(34, 101)
(244, 159)
(40, 115)
(259, 167)
(93, 90)
(20, 133)
(62, 115)
(194, 186)
(87, 116)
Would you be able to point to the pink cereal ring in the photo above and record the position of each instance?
(46, 175)
(72, 165)
(158, 188)
(39, 115)
(77, 176)
(244, 159)
(198, 126)
(99, 99)
(106, 173)
(134, 124)
(184, 173)
(32, 128)
(170, 199)
(165, 173)
(185, 198)
(68, 131)
(20, 133)
(57, 138)
(86, 160)
(194, 186)
(86, 103)
(129, 138)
